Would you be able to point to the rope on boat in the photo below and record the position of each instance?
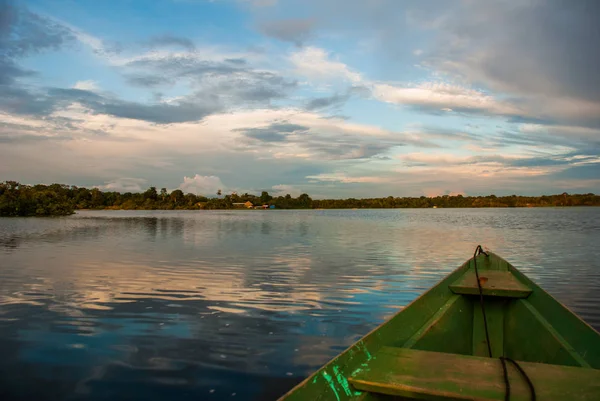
(478, 251)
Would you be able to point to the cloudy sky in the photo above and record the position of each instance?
(336, 98)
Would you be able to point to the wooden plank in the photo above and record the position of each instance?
(425, 375)
(449, 330)
(494, 312)
(493, 283)
(530, 337)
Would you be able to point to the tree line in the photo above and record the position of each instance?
(56, 200)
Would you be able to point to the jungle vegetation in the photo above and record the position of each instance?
(58, 200)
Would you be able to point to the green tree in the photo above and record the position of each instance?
(151, 194)
(265, 198)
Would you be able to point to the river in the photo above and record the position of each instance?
(226, 305)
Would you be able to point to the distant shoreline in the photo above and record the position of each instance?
(62, 200)
(349, 209)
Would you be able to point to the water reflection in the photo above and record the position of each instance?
(202, 305)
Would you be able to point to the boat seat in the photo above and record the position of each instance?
(426, 375)
(496, 283)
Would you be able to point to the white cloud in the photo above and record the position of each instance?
(207, 185)
(315, 63)
(443, 96)
(89, 85)
(282, 190)
(124, 185)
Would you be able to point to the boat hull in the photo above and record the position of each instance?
(524, 323)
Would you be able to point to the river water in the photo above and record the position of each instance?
(226, 305)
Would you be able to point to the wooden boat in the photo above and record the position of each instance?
(436, 347)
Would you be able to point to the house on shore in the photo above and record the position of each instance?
(241, 205)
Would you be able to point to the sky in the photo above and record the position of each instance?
(334, 98)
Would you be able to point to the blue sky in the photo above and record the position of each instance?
(333, 98)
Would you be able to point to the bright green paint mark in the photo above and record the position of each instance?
(369, 356)
(331, 384)
(315, 379)
(342, 381)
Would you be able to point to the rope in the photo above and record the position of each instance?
(503, 359)
(487, 335)
(478, 251)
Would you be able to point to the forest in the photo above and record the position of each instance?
(59, 200)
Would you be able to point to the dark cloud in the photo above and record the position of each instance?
(210, 97)
(190, 109)
(295, 30)
(276, 132)
(265, 135)
(542, 48)
(233, 80)
(249, 87)
(335, 144)
(337, 99)
(56, 129)
(215, 86)
(22, 33)
(9, 70)
(171, 40)
(43, 103)
(585, 172)
(340, 149)
(236, 61)
(189, 65)
(147, 81)
(287, 127)
(327, 101)
(548, 135)
(542, 53)
(25, 101)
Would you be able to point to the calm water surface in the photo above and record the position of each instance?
(242, 305)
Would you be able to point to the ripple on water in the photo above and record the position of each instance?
(164, 305)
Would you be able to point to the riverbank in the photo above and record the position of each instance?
(60, 200)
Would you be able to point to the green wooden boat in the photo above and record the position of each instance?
(436, 347)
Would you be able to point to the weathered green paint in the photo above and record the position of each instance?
(546, 345)
(449, 322)
(444, 376)
(494, 313)
(582, 337)
(525, 323)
